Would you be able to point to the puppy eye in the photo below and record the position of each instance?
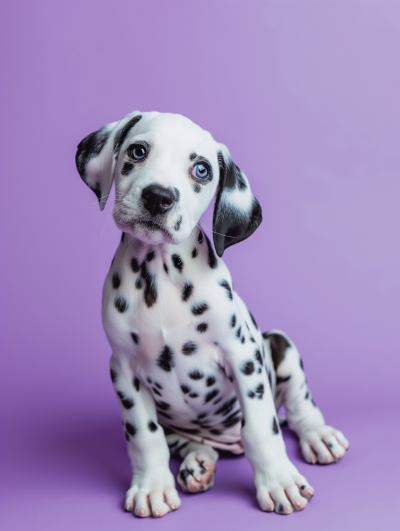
(137, 152)
(200, 171)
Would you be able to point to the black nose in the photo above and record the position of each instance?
(157, 199)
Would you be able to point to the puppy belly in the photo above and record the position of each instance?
(230, 440)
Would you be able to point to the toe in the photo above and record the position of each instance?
(172, 498)
(334, 447)
(281, 502)
(305, 489)
(130, 499)
(206, 459)
(324, 455)
(158, 507)
(341, 439)
(296, 499)
(142, 507)
(308, 453)
(265, 500)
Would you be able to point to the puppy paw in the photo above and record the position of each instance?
(283, 489)
(323, 445)
(152, 495)
(197, 471)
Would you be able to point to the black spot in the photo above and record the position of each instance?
(232, 419)
(313, 403)
(278, 345)
(231, 378)
(202, 415)
(186, 430)
(127, 437)
(189, 348)
(130, 429)
(301, 364)
(150, 292)
(217, 401)
(185, 389)
(275, 427)
(200, 237)
(259, 370)
(149, 380)
(121, 304)
(136, 383)
(116, 281)
(243, 422)
(282, 380)
(306, 397)
(210, 381)
(163, 414)
(225, 284)
(260, 391)
(226, 407)
(196, 375)
(202, 327)
(258, 357)
(165, 268)
(156, 391)
(152, 426)
(177, 194)
(283, 422)
(177, 261)
(126, 402)
(211, 394)
(122, 237)
(247, 368)
(193, 395)
(197, 188)
(135, 338)
(195, 252)
(150, 256)
(212, 259)
(280, 508)
(192, 156)
(177, 225)
(233, 321)
(139, 283)
(114, 375)
(330, 445)
(200, 308)
(242, 340)
(163, 405)
(158, 385)
(127, 168)
(187, 291)
(269, 378)
(252, 318)
(239, 331)
(303, 487)
(123, 133)
(214, 431)
(252, 339)
(166, 359)
(181, 447)
(251, 394)
(134, 265)
(90, 147)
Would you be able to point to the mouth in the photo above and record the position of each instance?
(149, 227)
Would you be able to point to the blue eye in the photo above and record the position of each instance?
(137, 152)
(200, 171)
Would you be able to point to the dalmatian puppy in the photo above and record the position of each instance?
(192, 372)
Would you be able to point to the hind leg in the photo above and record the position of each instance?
(196, 473)
(319, 443)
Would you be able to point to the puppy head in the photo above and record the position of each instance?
(166, 171)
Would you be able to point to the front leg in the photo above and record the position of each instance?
(152, 490)
(280, 487)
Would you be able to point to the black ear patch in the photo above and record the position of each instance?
(91, 146)
(123, 133)
(232, 224)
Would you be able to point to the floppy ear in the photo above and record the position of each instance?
(237, 213)
(97, 155)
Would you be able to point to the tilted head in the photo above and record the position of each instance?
(166, 171)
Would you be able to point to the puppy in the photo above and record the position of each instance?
(191, 370)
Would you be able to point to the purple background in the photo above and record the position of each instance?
(306, 96)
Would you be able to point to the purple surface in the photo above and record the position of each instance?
(306, 96)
